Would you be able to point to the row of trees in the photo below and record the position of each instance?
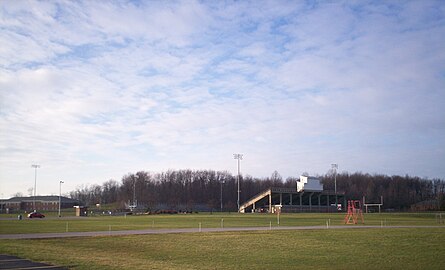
(400, 193)
(188, 188)
(183, 187)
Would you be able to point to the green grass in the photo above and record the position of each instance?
(104, 223)
(313, 249)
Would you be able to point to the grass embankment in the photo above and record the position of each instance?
(105, 223)
(316, 249)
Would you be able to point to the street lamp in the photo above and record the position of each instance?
(35, 166)
(238, 157)
(60, 195)
(335, 167)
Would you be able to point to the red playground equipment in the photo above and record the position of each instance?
(354, 212)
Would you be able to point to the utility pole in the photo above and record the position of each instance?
(238, 157)
(60, 195)
(35, 166)
(335, 167)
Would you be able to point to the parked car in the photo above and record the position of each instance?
(36, 215)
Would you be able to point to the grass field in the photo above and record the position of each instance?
(317, 249)
(105, 223)
(380, 248)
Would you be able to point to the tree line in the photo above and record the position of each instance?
(399, 192)
(191, 188)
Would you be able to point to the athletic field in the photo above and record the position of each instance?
(382, 247)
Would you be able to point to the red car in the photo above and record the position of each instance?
(36, 215)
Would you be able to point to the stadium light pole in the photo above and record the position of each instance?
(35, 166)
(134, 194)
(238, 157)
(60, 195)
(222, 182)
(335, 167)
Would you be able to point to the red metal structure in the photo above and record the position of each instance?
(354, 212)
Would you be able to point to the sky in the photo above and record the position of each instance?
(94, 90)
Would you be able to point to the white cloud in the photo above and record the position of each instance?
(93, 90)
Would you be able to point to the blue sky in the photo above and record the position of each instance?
(93, 90)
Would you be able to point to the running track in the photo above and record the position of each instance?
(194, 230)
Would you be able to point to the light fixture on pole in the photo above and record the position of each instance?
(60, 195)
(335, 167)
(35, 166)
(238, 157)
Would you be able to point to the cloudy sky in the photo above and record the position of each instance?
(93, 90)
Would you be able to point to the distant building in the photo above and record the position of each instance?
(309, 183)
(81, 211)
(42, 203)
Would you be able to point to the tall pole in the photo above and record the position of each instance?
(35, 166)
(60, 195)
(335, 167)
(134, 194)
(222, 182)
(238, 157)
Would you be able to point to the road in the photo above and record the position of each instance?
(12, 262)
(193, 230)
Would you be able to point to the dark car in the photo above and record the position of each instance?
(36, 215)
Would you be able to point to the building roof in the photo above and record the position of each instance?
(51, 198)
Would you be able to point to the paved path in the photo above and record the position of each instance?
(13, 262)
(192, 230)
